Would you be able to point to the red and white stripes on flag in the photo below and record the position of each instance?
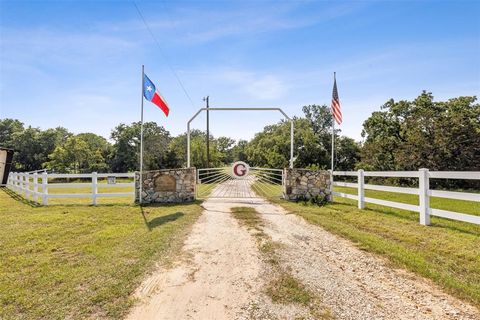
(336, 112)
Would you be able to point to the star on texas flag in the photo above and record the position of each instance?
(151, 94)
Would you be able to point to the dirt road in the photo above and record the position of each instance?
(218, 275)
(222, 275)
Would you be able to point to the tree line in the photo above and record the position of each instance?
(403, 135)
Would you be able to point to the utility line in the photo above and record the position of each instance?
(163, 53)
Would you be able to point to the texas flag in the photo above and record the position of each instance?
(151, 94)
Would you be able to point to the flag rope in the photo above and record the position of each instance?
(163, 54)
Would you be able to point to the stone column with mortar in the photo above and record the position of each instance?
(167, 186)
(302, 184)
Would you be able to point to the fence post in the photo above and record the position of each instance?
(94, 188)
(423, 189)
(20, 183)
(35, 187)
(361, 189)
(24, 185)
(44, 189)
(27, 186)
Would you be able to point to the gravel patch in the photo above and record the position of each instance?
(353, 283)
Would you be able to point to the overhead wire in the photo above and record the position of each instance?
(163, 53)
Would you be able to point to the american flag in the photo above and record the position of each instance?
(337, 113)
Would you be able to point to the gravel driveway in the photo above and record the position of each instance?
(221, 274)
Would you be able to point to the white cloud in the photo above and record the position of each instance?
(255, 85)
(40, 46)
(193, 26)
(266, 87)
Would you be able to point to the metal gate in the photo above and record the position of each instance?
(239, 181)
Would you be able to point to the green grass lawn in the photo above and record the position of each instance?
(448, 252)
(267, 190)
(79, 261)
(204, 190)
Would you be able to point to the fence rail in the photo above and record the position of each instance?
(35, 186)
(423, 191)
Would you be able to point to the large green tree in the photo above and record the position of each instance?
(72, 157)
(126, 148)
(408, 135)
(239, 151)
(198, 150)
(85, 152)
(9, 127)
(225, 148)
(101, 151)
(32, 145)
(312, 143)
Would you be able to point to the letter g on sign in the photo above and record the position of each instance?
(240, 170)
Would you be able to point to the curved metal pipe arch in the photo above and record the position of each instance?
(241, 109)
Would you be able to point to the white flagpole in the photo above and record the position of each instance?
(333, 144)
(141, 139)
(333, 141)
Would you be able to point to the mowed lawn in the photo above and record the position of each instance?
(447, 252)
(74, 261)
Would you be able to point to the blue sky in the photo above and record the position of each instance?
(78, 64)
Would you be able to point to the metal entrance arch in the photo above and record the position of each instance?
(240, 109)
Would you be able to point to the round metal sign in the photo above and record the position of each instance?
(240, 169)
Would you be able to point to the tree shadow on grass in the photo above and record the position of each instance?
(15, 196)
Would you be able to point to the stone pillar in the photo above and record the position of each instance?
(167, 186)
(304, 184)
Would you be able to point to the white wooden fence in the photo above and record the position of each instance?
(423, 191)
(35, 186)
